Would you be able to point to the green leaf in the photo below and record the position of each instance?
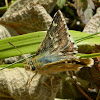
(2, 8)
(93, 55)
(29, 43)
(61, 3)
(82, 38)
(15, 63)
(12, 66)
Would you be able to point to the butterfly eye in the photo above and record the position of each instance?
(74, 53)
(69, 35)
(32, 68)
(73, 42)
(31, 64)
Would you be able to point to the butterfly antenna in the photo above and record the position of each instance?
(86, 37)
(15, 47)
(28, 82)
(18, 60)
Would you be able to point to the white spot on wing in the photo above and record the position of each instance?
(54, 24)
(55, 46)
(50, 36)
(56, 35)
(60, 53)
(56, 39)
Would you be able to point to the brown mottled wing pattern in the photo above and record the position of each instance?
(58, 39)
(56, 52)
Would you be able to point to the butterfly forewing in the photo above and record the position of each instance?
(58, 44)
(57, 38)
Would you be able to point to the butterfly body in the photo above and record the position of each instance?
(57, 52)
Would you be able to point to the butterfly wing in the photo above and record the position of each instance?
(58, 39)
(58, 44)
(66, 65)
(57, 51)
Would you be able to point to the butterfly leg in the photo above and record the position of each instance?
(46, 85)
(77, 84)
(28, 82)
(51, 81)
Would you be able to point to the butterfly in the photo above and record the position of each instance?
(57, 52)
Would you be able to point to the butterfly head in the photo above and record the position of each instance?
(29, 64)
